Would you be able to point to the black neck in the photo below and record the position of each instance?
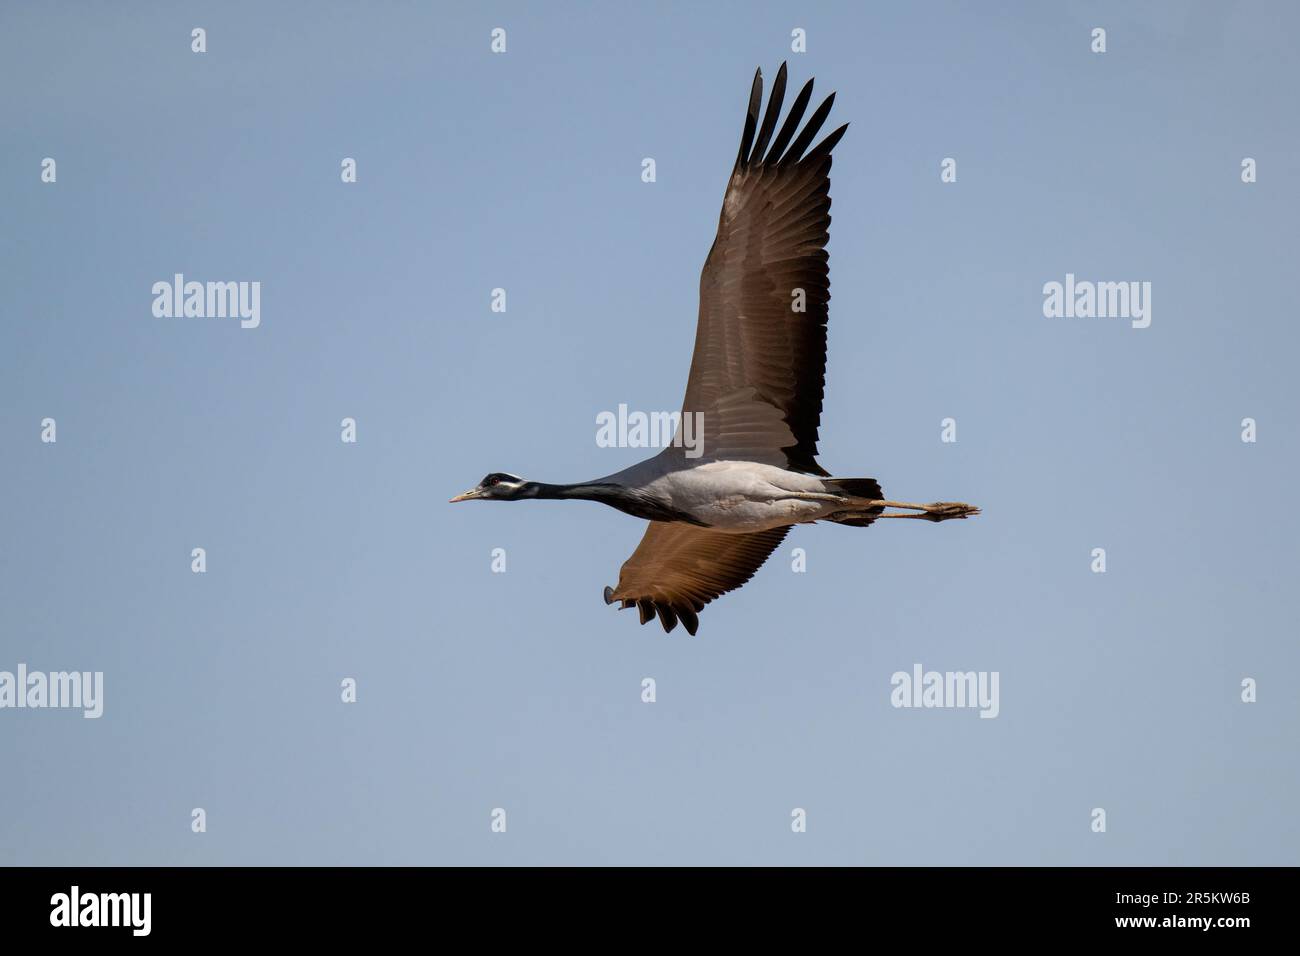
(617, 496)
(585, 491)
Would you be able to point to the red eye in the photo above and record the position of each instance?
(492, 481)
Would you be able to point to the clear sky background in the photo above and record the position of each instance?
(522, 690)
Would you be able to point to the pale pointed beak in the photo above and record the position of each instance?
(465, 496)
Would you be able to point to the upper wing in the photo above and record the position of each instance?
(678, 568)
(759, 367)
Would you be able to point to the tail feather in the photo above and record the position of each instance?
(867, 488)
(854, 519)
(858, 487)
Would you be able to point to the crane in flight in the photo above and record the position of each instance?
(755, 384)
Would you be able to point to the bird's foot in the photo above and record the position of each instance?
(946, 510)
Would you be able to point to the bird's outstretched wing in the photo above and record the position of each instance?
(678, 568)
(759, 367)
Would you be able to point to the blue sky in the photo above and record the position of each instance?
(522, 690)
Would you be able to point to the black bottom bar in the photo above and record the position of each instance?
(365, 905)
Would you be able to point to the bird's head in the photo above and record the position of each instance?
(497, 486)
